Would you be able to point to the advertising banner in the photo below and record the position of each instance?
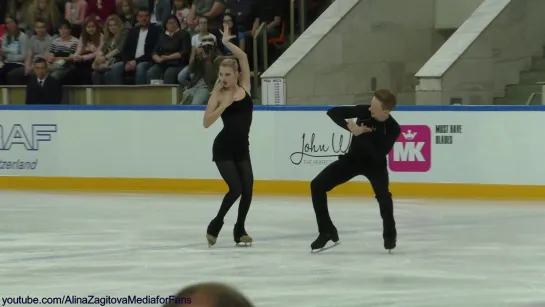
(437, 147)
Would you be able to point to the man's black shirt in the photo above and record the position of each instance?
(372, 146)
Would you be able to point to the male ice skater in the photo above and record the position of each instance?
(374, 134)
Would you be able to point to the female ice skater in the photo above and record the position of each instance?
(232, 101)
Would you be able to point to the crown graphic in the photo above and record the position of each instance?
(409, 136)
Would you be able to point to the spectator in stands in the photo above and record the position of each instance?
(270, 12)
(38, 47)
(45, 10)
(115, 36)
(203, 72)
(247, 13)
(180, 8)
(239, 39)
(14, 49)
(137, 52)
(41, 88)
(3, 11)
(127, 12)
(101, 9)
(88, 48)
(61, 54)
(171, 53)
(74, 12)
(162, 10)
(19, 10)
(209, 294)
(211, 9)
(195, 42)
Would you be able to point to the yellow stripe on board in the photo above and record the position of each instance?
(153, 185)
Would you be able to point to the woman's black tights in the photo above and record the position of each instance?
(240, 180)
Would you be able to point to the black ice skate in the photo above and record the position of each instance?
(390, 242)
(213, 231)
(324, 237)
(241, 236)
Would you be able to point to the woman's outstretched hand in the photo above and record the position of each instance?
(226, 34)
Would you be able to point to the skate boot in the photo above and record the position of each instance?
(323, 238)
(213, 231)
(390, 241)
(241, 236)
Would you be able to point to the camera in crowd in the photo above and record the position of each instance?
(208, 45)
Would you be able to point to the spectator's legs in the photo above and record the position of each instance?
(17, 76)
(6, 69)
(200, 95)
(97, 77)
(62, 74)
(155, 73)
(183, 75)
(171, 75)
(142, 73)
(114, 76)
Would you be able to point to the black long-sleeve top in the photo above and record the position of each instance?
(371, 146)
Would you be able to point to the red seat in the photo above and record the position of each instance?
(2, 29)
(280, 39)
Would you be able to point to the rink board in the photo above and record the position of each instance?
(444, 151)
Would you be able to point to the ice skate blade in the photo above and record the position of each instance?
(211, 240)
(242, 244)
(316, 251)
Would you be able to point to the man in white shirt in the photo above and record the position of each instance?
(137, 52)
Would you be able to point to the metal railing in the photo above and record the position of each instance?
(265, 53)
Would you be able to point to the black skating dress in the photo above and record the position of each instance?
(233, 141)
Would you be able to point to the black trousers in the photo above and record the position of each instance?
(342, 171)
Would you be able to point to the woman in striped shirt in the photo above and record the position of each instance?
(61, 53)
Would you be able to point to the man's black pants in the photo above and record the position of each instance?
(342, 171)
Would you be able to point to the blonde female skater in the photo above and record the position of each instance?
(231, 101)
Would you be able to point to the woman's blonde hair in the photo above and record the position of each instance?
(109, 35)
(230, 62)
(51, 14)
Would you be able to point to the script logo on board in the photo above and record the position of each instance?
(412, 151)
(322, 150)
(21, 141)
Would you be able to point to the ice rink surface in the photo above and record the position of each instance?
(450, 253)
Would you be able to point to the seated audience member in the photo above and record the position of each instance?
(19, 10)
(195, 42)
(41, 87)
(46, 10)
(211, 9)
(137, 52)
(88, 48)
(127, 12)
(180, 8)
(60, 57)
(270, 12)
(239, 39)
(115, 36)
(14, 49)
(247, 13)
(161, 11)
(203, 72)
(101, 9)
(38, 47)
(74, 12)
(171, 52)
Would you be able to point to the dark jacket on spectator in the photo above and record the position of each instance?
(49, 93)
(132, 42)
(179, 42)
